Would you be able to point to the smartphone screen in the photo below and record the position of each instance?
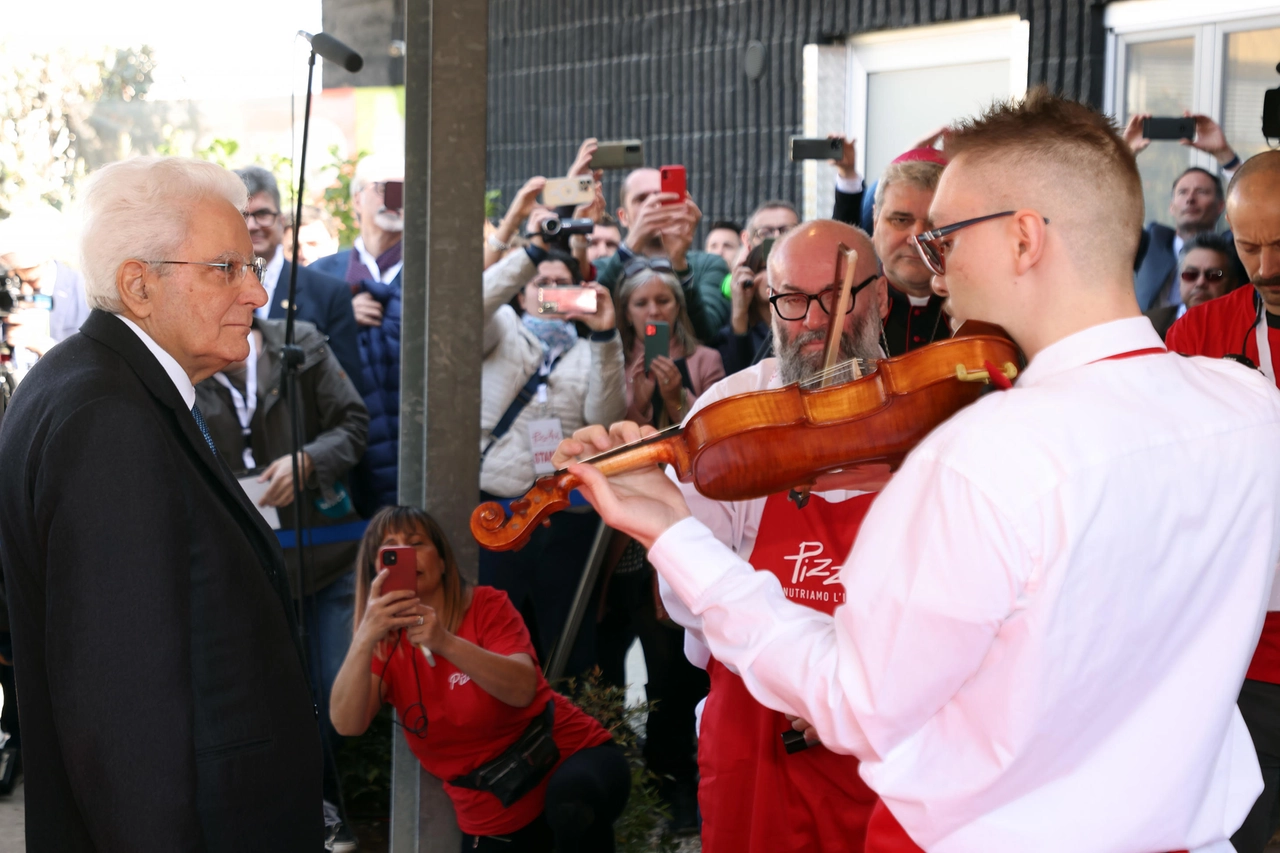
(563, 300)
(402, 563)
(657, 341)
(674, 181)
(393, 196)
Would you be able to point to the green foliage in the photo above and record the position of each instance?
(364, 764)
(220, 151)
(493, 206)
(337, 195)
(642, 825)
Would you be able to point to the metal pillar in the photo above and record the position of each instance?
(440, 348)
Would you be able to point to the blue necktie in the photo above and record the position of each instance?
(204, 428)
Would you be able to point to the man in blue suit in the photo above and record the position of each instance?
(323, 300)
(372, 269)
(1196, 206)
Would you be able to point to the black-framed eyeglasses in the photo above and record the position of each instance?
(929, 244)
(266, 218)
(639, 263)
(233, 270)
(795, 306)
(764, 232)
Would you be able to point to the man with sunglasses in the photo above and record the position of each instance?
(1245, 325)
(164, 700)
(755, 795)
(1206, 270)
(1052, 663)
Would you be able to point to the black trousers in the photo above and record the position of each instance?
(1260, 706)
(585, 795)
(541, 579)
(675, 686)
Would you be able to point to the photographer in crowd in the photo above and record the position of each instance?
(372, 267)
(541, 381)
(748, 337)
(663, 225)
(526, 770)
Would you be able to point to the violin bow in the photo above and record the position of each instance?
(835, 328)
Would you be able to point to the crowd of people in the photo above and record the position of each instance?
(185, 283)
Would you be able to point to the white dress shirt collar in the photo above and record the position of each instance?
(270, 279)
(1092, 344)
(170, 364)
(371, 263)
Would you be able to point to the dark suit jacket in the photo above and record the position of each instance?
(1162, 318)
(1158, 264)
(164, 701)
(325, 302)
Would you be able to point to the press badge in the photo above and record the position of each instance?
(544, 437)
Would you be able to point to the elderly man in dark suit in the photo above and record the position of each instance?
(164, 701)
(323, 301)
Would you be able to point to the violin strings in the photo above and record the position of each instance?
(865, 365)
(640, 442)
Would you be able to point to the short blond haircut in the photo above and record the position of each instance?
(1069, 162)
(921, 174)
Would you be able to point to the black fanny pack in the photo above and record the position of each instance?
(521, 766)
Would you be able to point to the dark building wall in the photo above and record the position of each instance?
(370, 27)
(669, 72)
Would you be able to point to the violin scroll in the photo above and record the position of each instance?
(495, 530)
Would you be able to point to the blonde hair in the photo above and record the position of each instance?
(1072, 158)
(405, 520)
(681, 329)
(921, 174)
(141, 209)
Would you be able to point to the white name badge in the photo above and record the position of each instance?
(544, 437)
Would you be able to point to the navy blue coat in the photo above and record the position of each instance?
(1158, 264)
(324, 300)
(380, 360)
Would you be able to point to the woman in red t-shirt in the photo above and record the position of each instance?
(482, 693)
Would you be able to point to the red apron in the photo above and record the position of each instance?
(755, 798)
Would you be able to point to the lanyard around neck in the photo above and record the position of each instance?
(1264, 343)
(247, 403)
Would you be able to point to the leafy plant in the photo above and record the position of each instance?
(493, 206)
(642, 825)
(337, 195)
(364, 763)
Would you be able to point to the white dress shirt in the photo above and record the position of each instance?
(271, 278)
(170, 364)
(1050, 609)
(371, 263)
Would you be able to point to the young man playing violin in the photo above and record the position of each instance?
(754, 796)
(1053, 665)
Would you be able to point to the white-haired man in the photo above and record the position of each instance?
(373, 269)
(163, 695)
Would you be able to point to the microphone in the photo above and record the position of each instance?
(334, 51)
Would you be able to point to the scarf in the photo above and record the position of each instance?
(357, 272)
(557, 336)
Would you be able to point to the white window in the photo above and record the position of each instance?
(1165, 57)
(888, 89)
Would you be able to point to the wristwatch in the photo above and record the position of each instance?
(496, 244)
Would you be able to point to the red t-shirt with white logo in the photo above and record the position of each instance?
(467, 727)
(1226, 326)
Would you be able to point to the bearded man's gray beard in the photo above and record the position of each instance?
(794, 366)
(388, 221)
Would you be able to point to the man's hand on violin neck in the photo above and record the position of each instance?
(643, 503)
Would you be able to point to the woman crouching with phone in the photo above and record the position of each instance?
(525, 768)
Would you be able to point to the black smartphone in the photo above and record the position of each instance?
(1169, 128)
(657, 341)
(803, 148)
(393, 196)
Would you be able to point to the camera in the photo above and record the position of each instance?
(1271, 112)
(388, 558)
(557, 227)
(10, 290)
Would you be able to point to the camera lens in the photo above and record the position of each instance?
(551, 227)
(389, 558)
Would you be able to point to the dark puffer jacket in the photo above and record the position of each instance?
(380, 352)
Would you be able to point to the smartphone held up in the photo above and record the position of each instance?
(567, 300)
(402, 564)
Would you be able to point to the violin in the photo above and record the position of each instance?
(755, 444)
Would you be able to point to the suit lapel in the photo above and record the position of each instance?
(108, 330)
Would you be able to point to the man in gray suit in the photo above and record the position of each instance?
(1196, 206)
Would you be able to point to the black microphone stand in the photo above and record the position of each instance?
(292, 358)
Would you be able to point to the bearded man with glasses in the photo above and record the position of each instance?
(164, 701)
(756, 795)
